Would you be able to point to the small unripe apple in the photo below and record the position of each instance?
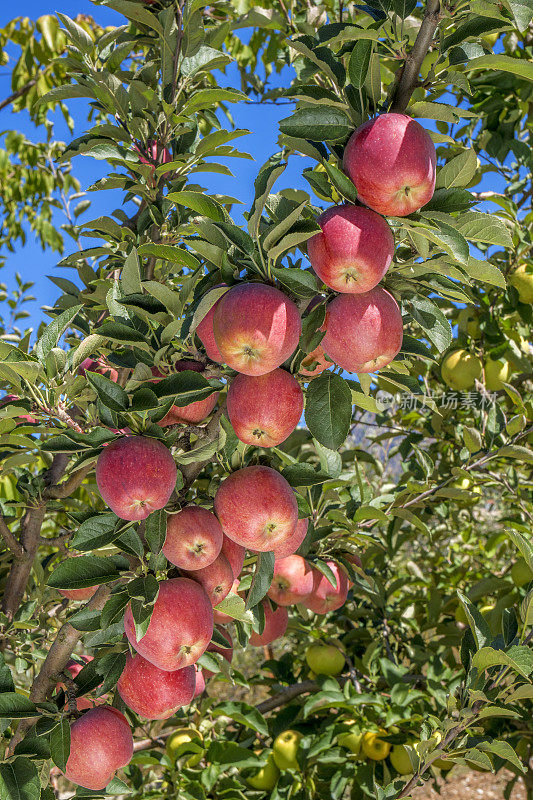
(373, 747)
(325, 659)
(460, 369)
(468, 323)
(400, 760)
(182, 737)
(265, 778)
(285, 750)
(521, 573)
(351, 740)
(497, 373)
(522, 280)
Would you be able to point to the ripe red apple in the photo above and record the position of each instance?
(275, 625)
(391, 160)
(256, 508)
(194, 412)
(314, 363)
(364, 331)
(353, 251)
(324, 597)
(206, 334)
(217, 578)
(152, 692)
(235, 553)
(256, 328)
(292, 582)
(135, 476)
(194, 538)
(79, 594)
(293, 542)
(100, 743)
(98, 365)
(12, 398)
(265, 409)
(180, 628)
(200, 682)
(219, 616)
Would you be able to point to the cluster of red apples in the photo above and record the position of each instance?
(253, 328)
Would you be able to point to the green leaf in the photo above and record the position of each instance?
(304, 474)
(130, 278)
(523, 545)
(95, 532)
(83, 571)
(109, 393)
(328, 409)
(359, 62)
(235, 607)
(522, 11)
(503, 750)
(268, 174)
(121, 332)
(487, 228)
(60, 744)
(516, 451)
(478, 624)
(341, 182)
(77, 35)
(486, 272)
(448, 200)
(168, 252)
(474, 27)
(459, 171)
(186, 387)
(301, 282)
(521, 67)
(200, 203)
(264, 572)
(432, 321)
(16, 706)
(518, 657)
(244, 714)
(19, 780)
(54, 331)
(156, 530)
(6, 679)
(317, 123)
(298, 234)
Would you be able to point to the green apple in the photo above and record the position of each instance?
(285, 749)
(460, 369)
(522, 280)
(351, 740)
(497, 373)
(265, 778)
(181, 737)
(373, 747)
(521, 573)
(468, 323)
(400, 759)
(325, 659)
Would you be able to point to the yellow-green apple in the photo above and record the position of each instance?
(256, 508)
(522, 280)
(206, 335)
(235, 553)
(325, 659)
(400, 759)
(181, 737)
(194, 538)
(265, 409)
(468, 323)
(373, 747)
(180, 627)
(292, 544)
(354, 249)
(192, 413)
(265, 778)
(352, 739)
(460, 369)
(100, 743)
(152, 692)
(256, 328)
(285, 749)
(521, 573)
(135, 476)
(100, 366)
(364, 332)
(275, 625)
(216, 578)
(314, 363)
(293, 581)
(324, 597)
(391, 160)
(497, 373)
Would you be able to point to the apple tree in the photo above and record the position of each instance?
(266, 482)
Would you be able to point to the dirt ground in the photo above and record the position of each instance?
(472, 786)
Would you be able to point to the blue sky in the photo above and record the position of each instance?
(261, 119)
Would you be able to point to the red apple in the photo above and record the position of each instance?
(325, 597)
(152, 692)
(206, 334)
(264, 410)
(180, 628)
(200, 682)
(100, 743)
(79, 594)
(135, 476)
(314, 363)
(364, 331)
(194, 538)
(256, 328)
(12, 398)
(256, 508)
(293, 543)
(194, 412)
(391, 160)
(353, 251)
(98, 365)
(216, 579)
(74, 668)
(292, 581)
(235, 553)
(275, 625)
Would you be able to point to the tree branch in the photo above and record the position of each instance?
(191, 471)
(19, 93)
(411, 68)
(70, 485)
(12, 543)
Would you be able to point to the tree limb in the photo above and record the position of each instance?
(11, 542)
(69, 486)
(411, 68)
(19, 93)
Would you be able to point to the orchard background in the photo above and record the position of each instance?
(183, 328)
